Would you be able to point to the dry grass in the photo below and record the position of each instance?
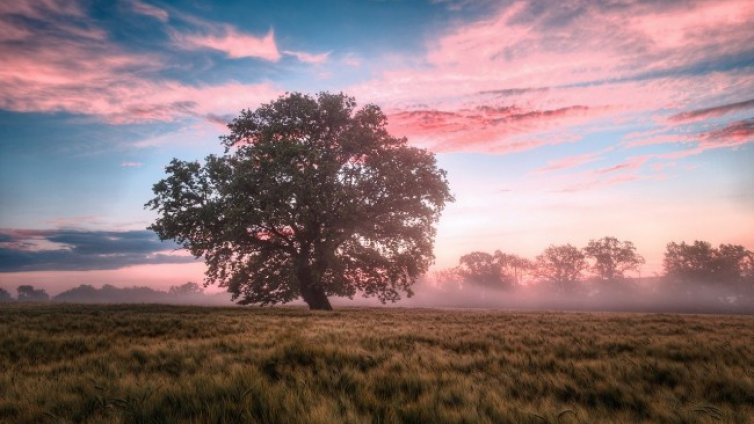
(160, 364)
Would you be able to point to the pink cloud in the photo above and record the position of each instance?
(75, 68)
(732, 134)
(546, 59)
(629, 170)
(40, 9)
(631, 163)
(483, 126)
(309, 57)
(595, 183)
(728, 135)
(148, 10)
(638, 141)
(569, 162)
(351, 60)
(233, 43)
(59, 17)
(711, 112)
(554, 47)
(691, 27)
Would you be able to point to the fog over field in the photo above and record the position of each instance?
(645, 295)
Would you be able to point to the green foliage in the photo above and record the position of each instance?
(312, 199)
(513, 267)
(162, 364)
(186, 289)
(561, 265)
(5, 296)
(480, 268)
(28, 293)
(702, 262)
(498, 270)
(612, 258)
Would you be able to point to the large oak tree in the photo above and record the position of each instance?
(311, 199)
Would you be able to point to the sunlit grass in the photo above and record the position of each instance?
(154, 364)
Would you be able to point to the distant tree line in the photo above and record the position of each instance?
(608, 260)
(25, 293)
(86, 293)
(603, 270)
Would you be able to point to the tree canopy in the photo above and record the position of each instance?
(499, 270)
(612, 257)
(27, 293)
(187, 289)
(701, 262)
(561, 265)
(481, 268)
(311, 199)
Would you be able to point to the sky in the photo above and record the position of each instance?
(557, 122)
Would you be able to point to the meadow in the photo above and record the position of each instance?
(163, 364)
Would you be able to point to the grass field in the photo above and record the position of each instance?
(155, 364)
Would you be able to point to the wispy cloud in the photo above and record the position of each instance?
(235, 44)
(569, 162)
(711, 112)
(727, 134)
(73, 67)
(148, 10)
(732, 134)
(600, 183)
(309, 57)
(483, 127)
(131, 164)
(352, 60)
(617, 63)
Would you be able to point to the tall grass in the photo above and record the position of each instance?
(165, 364)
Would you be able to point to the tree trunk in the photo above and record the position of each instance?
(312, 292)
(315, 297)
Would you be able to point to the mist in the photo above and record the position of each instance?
(185, 294)
(698, 278)
(633, 295)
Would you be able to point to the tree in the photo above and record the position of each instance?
(733, 263)
(513, 266)
(561, 265)
(30, 294)
(612, 258)
(5, 296)
(481, 268)
(700, 262)
(689, 261)
(311, 199)
(497, 270)
(187, 289)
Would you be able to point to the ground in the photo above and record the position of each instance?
(164, 364)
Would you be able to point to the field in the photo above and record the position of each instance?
(162, 364)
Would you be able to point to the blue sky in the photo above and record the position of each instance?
(557, 123)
